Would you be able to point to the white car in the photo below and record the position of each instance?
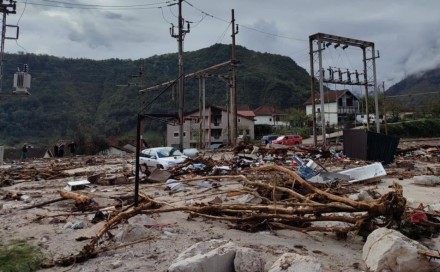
(161, 157)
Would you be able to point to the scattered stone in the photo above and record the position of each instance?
(131, 233)
(292, 262)
(426, 180)
(213, 255)
(116, 264)
(248, 260)
(390, 250)
(26, 198)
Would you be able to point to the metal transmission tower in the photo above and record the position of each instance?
(320, 41)
(6, 9)
(181, 92)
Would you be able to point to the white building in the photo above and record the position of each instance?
(337, 106)
(268, 115)
(210, 127)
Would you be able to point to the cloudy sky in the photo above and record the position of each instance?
(406, 32)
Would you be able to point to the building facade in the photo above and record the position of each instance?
(269, 115)
(212, 126)
(339, 107)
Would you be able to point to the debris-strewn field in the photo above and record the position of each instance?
(235, 210)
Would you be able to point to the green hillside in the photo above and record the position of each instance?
(82, 96)
(417, 92)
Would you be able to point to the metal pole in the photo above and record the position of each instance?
(321, 91)
(376, 98)
(233, 83)
(364, 53)
(312, 89)
(200, 111)
(228, 110)
(2, 49)
(181, 77)
(384, 109)
(204, 113)
(137, 168)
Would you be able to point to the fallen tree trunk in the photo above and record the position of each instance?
(82, 202)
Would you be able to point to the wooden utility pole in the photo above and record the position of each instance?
(234, 81)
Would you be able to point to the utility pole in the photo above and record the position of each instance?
(234, 81)
(321, 91)
(384, 109)
(376, 95)
(5, 9)
(181, 92)
(367, 114)
(312, 88)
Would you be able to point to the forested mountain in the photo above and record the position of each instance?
(418, 91)
(90, 97)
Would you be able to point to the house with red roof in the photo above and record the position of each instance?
(338, 105)
(269, 115)
(211, 126)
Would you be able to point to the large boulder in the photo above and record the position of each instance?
(217, 256)
(292, 262)
(390, 250)
(214, 255)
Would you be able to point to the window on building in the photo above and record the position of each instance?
(239, 120)
(350, 102)
(176, 134)
(270, 119)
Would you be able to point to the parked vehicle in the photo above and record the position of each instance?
(288, 140)
(161, 157)
(362, 118)
(268, 139)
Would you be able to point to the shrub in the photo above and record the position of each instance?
(19, 256)
(413, 129)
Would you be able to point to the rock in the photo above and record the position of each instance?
(142, 219)
(426, 180)
(131, 233)
(292, 262)
(78, 225)
(26, 198)
(248, 198)
(116, 265)
(213, 256)
(248, 260)
(390, 250)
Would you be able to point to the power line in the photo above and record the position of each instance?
(106, 6)
(70, 6)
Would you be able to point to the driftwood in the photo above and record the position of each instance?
(305, 205)
(44, 203)
(82, 202)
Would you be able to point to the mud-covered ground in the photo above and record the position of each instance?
(58, 231)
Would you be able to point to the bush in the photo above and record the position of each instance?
(413, 129)
(19, 256)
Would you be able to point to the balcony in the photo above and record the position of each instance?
(348, 109)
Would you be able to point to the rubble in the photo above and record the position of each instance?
(261, 191)
(218, 256)
(292, 262)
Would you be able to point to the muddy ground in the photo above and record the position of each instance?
(51, 227)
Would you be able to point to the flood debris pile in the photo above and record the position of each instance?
(252, 189)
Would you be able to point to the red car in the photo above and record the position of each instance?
(288, 140)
